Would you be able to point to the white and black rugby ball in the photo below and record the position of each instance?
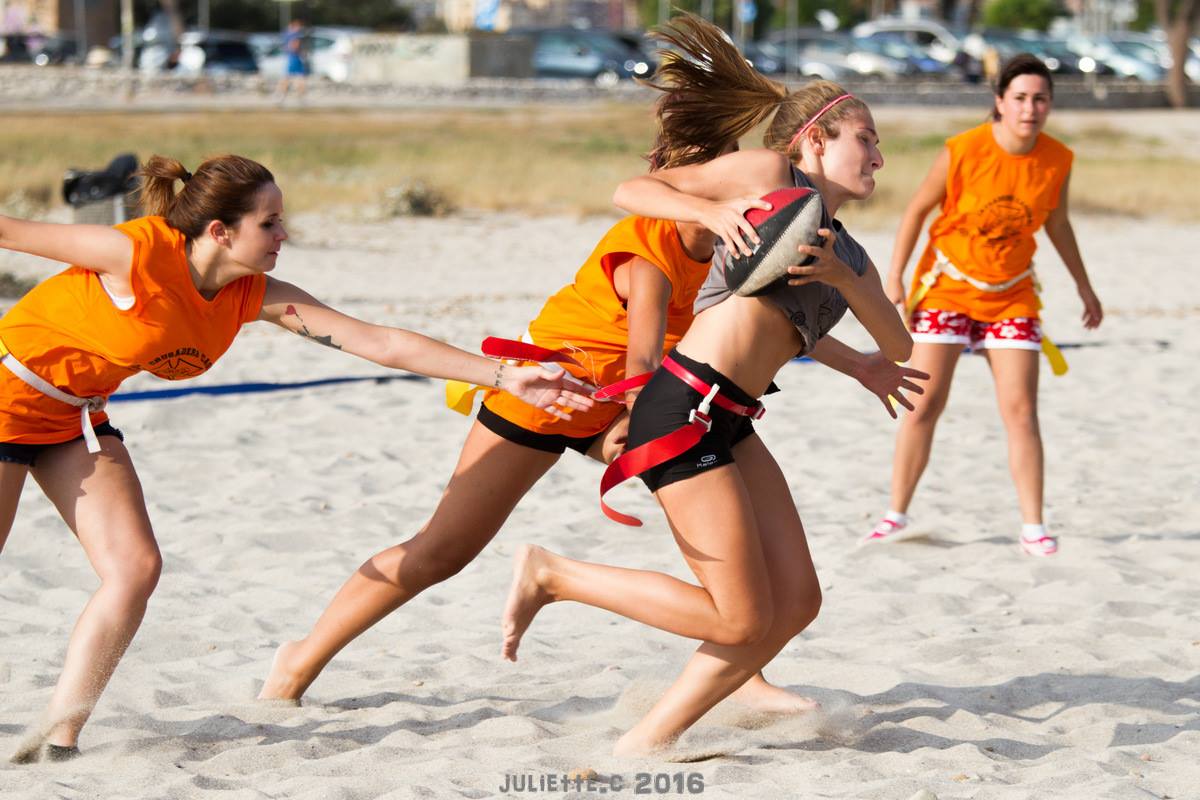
(794, 219)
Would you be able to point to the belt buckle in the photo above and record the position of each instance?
(705, 419)
(759, 411)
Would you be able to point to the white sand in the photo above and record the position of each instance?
(952, 664)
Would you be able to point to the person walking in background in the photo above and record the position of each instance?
(295, 71)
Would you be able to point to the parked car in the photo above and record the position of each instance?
(214, 53)
(1147, 46)
(329, 51)
(919, 63)
(591, 54)
(58, 48)
(813, 53)
(637, 42)
(765, 57)
(1122, 62)
(932, 37)
(866, 59)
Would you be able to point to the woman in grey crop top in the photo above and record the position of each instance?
(734, 520)
(813, 308)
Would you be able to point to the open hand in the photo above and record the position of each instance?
(884, 379)
(551, 389)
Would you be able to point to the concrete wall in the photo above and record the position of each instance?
(448, 59)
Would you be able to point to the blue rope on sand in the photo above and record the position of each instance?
(257, 388)
(251, 388)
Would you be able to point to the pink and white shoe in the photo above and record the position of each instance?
(1042, 546)
(888, 530)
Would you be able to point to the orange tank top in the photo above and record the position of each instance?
(995, 202)
(589, 315)
(588, 320)
(69, 331)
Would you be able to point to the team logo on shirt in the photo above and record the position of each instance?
(186, 362)
(1003, 219)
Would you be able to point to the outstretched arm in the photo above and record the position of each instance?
(1062, 236)
(295, 310)
(96, 247)
(878, 375)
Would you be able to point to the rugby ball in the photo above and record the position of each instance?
(794, 219)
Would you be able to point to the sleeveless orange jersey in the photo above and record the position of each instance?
(995, 202)
(587, 320)
(68, 331)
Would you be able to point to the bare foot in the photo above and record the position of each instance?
(634, 745)
(759, 695)
(282, 683)
(525, 598)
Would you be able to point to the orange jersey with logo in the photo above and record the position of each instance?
(588, 321)
(70, 332)
(995, 202)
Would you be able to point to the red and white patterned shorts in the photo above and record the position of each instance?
(953, 327)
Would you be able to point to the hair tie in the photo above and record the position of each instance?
(187, 176)
(816, 117)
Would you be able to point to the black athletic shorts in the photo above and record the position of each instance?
(546, 442)
(665, 404)
(27, 453)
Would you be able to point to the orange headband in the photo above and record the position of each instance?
(816, 117)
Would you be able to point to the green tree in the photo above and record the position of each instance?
(1036, 14)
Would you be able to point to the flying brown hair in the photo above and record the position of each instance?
(712, 97)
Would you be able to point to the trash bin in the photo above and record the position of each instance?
(105, 197)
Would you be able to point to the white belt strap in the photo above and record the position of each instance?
(944, 265)
(85, 406)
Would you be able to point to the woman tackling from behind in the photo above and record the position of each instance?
(631, 301)
(166, 293)
(727, 502)
(974, 286)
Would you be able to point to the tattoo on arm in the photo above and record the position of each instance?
(307, 334)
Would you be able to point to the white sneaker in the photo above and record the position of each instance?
(887, 530)
(1042, 546)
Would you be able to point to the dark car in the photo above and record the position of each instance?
(595, 55)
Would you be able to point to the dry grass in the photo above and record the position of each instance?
(533, 159)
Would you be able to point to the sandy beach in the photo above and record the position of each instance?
(951, 664)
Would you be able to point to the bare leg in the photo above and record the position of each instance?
(716, 671)
(100, 498)
(12, 480)
(914, 439)
(491, 477)
(1016, 375)
(756, 693)
(717, 521)
(733, 604)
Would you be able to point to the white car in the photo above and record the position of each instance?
(932, 37)
(328, 51)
